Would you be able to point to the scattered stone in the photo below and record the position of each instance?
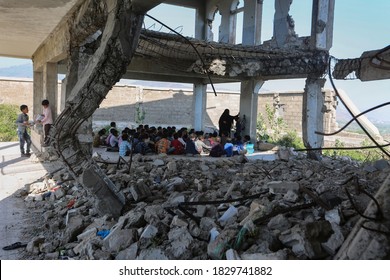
(381, 164)
(282, 186)
(155, 225)
(140, 191)
(264, 146)
(119, 239)
(335, 241)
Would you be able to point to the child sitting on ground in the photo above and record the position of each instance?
(125, 146)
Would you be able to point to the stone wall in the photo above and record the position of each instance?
(164, 106)
(16, 91)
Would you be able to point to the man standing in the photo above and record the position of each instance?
(23, 123)
(47, 121)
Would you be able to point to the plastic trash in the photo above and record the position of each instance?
(229, 213)
(250, 148)
(213, 234)
(103, 233)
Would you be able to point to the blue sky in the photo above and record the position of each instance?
(359, 25)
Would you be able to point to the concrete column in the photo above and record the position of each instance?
(282, 21)
(227, 32)
(37, 131)
(330, 106)
(313, 116)
(50, 86)
(253, 13)
(199, 106)
(202, 28)
(364, 121)
(37, 93)
(248, 106)
(84, 132)
(322, 24)
(63, 94)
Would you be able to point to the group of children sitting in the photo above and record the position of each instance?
(151, 140)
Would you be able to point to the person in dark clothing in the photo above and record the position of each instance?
(225, 123)
(217, 150)
(23, 123)
(190, 145)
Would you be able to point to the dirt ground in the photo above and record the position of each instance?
(15, 218)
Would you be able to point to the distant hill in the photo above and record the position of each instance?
(343, 116)
(19, 71)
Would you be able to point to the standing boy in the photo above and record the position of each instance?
(47, 121)
(23, 123)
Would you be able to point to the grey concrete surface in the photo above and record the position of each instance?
(15, 172)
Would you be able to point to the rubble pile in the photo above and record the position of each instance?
(205, 208)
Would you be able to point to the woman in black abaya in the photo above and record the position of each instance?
(225, 123)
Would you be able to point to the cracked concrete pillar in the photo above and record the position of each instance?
(45, 87)
(253, 14)
(37, 92)
(322, 24)
(201, 27)
(227, 29)
(50, 86)
(84, 132)
(330, 106)
(248, 106)
(313, 116)
(63, 95)
(37, 132)
(283, 22)
(199, 100)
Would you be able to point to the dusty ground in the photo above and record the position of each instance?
(15, 172)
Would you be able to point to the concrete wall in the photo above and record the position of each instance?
(16, 91)
(163, 106)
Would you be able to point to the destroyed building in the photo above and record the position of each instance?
(100, 42)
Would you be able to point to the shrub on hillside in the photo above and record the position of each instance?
(8, 115)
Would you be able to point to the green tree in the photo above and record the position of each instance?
(8, 115)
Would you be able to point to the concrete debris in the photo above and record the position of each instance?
(219, 208)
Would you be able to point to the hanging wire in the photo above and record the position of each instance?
(350, 111)
(342, 148)
(354, 118)
(185, 38)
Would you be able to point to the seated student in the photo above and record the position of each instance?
(109, 136)
(183, 136)
(114, 138)
(98, 139)
(143, 146)
(190, 145)
(178, 147)
(217, 150)
(125, 146)
(247, 140)
(228, 147)
(113, 144)
(163, 144)
(208, 140)
(238, 146)
(201, 147)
